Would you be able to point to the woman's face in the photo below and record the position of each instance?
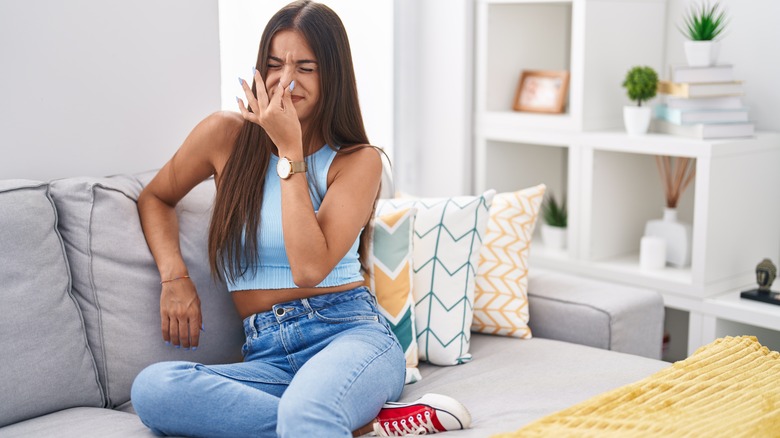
(301, 67)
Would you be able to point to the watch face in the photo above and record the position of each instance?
(283, 168)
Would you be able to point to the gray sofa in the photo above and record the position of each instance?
(79, 318)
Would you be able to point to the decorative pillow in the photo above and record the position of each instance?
(501, 295)
(391, 280)
(447, 239)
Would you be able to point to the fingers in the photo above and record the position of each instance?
(262, 95)
(194, 329)
(184, 333)
(250, 97)
(165, 326)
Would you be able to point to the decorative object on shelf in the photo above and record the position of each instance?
(652, 253)
(542, 91)
(766, 272)
(676, 174)
(555, 222)
(641, 84)
(702, 25)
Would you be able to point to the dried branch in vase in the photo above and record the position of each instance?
(676, 174)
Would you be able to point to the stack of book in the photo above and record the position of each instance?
(702, 102)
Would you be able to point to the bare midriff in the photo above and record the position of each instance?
(249, 302)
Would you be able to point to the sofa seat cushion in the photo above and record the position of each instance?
(511, 382)
(45, 364)
(117, 285)
(80, 423)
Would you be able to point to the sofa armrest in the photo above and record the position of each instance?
(595, 313)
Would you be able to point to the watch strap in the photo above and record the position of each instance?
(298, 167)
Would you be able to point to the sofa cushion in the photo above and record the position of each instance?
(80, 423)
(390, 280)
(597, 313)
(117, 284)
(511, 382)
(46, 365)
(501, 294)
(448, 234)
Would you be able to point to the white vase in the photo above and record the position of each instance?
(637, 119)
(553, 237)
(677, 236)
(702, 53)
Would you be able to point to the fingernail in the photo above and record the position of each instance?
(167, 342)
(203, 326)
(194, 348)
(238, 99)
(292, 85)
(178, 346)
(254, 71)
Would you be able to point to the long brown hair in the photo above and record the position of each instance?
(233, 231)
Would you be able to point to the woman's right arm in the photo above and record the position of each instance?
(203, 153)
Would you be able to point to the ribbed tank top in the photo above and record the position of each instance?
(272, 270)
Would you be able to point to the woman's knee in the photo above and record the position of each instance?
(152, 387)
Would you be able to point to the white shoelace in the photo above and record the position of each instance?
(406, 427)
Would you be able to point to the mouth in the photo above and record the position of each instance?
(296, 99)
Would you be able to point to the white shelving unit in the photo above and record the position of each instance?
(610, 179)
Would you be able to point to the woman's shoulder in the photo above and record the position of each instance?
(216, 134)
(364, 159)
(221, 125)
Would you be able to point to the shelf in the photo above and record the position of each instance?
(624, 269)
(732, 307)
(664, 144)
(552, 129)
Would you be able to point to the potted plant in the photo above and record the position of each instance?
(555, 221)
(702, 25)
(641, 84)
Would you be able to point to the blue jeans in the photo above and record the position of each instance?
(315, 367)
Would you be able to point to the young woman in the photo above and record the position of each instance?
(297, 182)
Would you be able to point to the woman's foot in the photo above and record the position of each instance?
(430, 413)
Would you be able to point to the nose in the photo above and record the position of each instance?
(288, 73)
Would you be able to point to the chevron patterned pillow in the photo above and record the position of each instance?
(448, 234)
(501, 295)
(390, 280)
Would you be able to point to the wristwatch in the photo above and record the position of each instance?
(285, 167)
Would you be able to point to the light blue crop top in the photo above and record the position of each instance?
(272, 270)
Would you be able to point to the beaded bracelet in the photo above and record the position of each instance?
(174, 279)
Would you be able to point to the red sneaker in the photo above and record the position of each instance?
(430, 413)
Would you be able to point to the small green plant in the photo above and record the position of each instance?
(641, 84)
(554, 214)
(704, 23)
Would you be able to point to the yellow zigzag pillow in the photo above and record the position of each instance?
(501, 294)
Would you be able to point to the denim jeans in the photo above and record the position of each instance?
(315, 367)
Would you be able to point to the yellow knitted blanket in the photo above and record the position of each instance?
(729, 388)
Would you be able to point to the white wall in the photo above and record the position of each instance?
(98, 87)
(434, 70)
(369, 26)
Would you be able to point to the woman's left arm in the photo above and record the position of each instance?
(315, 243)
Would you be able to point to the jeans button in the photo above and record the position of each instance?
(279, 311)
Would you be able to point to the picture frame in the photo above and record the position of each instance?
(542, 91)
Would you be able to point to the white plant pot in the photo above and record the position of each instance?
(702, 53)
(677, 236)
(637, 119)
(553, 237)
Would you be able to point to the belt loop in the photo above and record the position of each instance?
(253, 320)
(306, 305)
